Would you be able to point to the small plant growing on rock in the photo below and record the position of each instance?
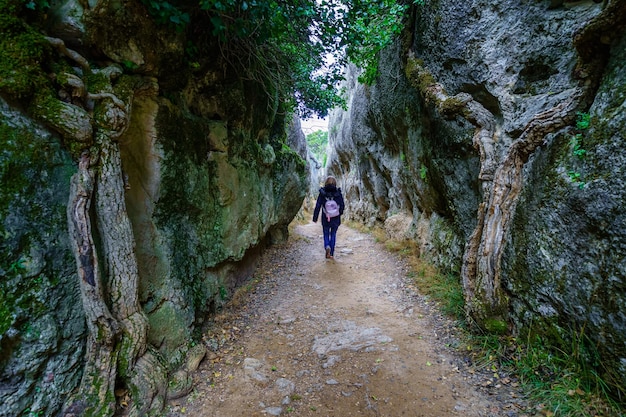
(576, 143)
(424, 173)
(583, 121)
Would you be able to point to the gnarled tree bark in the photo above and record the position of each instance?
(480, 273)
(117, 349)
(99, 376)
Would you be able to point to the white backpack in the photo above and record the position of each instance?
(331, 208)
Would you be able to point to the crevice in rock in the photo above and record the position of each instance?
(531, 76)
(481, 94)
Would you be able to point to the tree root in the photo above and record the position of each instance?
(100, 369)
(117, 345)
(71, 54)
(482, 259)
(502, 181)
(462, 105)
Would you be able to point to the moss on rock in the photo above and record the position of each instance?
(38, 290)
(496, 326)
(22, 50)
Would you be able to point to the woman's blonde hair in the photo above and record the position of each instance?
(330, 181)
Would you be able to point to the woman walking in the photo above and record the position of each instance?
(330, 202)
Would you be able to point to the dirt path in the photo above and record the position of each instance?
(343, 337)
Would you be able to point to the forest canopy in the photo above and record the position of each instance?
(296, 49)
(317, 142)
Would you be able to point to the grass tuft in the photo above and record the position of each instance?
(557, 381)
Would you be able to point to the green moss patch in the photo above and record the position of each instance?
(22, 50)
(34, 171)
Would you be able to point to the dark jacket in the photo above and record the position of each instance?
(335, 193)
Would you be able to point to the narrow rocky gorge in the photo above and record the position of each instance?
(146, 164)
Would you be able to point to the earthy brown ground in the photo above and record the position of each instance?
(343, 337)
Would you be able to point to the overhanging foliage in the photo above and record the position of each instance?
(296, 49)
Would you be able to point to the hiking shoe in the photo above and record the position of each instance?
(328, 253)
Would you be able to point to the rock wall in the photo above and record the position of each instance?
(410, 146)
(213, 174)
(42, 323)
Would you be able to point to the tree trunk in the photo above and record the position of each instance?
(484, 297)
(98, 383)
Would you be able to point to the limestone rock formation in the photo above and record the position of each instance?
(498, 127)
(137, 191)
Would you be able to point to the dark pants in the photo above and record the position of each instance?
(330, 236)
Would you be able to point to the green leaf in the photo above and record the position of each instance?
(583, 120)
(284, 45)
